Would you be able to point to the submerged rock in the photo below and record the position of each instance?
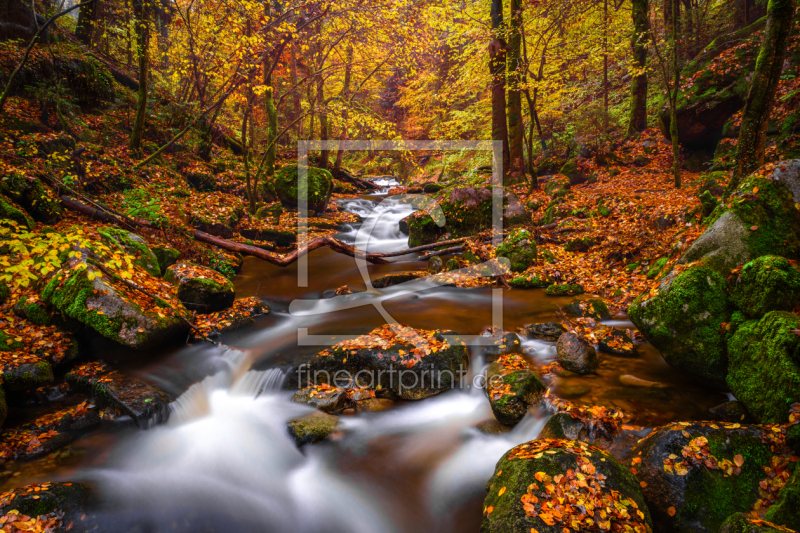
(683, 320)
(395, 279)
(512, 387)
(695, 475)
(393, 360)
(312, 428)
(616, 342)
(764, 368)
(201, 288)
(545, 485)
(576, 354)
(593, 308)
(548, 331)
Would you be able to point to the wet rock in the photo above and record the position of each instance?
(506, 344)
(733, 411)
(752, 224)
(201, 288)
(592, 308)
(567, 289)
(576, 354)
(743, 523)
(73, 499)
(242, 313)
(512, 387)
(312, 428)
(617, 342)
(695, 475)
(565, 426)
(769, 283)
(519, 247)
(47, 433)
(395, 361)
(324, 397)
(166, 257)
(317, 187)
(461, 212)
(492, 427)
(684, 322)
(403, 225)
(531, 281)
(764, 368)
(395, 279)
(632, 381)
(11, 211)
(27, 376)
(435, 265)
(519, 500)
(548, 331)
(144, 403)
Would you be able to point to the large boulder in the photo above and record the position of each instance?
(201, 288)
(519, 247)
(769, 283)
(19, 21)
(683, 319)
(551, 486)
(786, 511)
(512, 388)
(30, 193)
(134, 245)
(760, 218)
(317, 187)
(764, 365)
(394, 360)
(83, 295)
(714, 87)
(695, 475)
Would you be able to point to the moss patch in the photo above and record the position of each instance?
(766, 284)
(519, 248)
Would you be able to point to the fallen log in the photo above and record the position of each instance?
(102, 214)
(446, 251)
(358, 182)
(291, 257)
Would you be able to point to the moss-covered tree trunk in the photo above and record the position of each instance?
(761, 98)
(272, 125)
(323, 123)
(640, 14)
(497, 69)
(514, 68)
(87, 16)
(141, 13)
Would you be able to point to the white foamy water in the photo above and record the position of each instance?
(380, 230)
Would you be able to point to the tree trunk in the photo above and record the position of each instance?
(640, 14)
(298, 108)
(141, 13)
(323, 123)
(497, 69)
(761, 98)
(348, 72)
(673, 125)
(605, 66)
(514, 105)
(87, 16)
(272, 124)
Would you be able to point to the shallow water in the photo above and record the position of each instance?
(225, 462)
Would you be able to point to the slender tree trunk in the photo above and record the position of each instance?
(141, 12)
(640, 14)
(323, 123)
(298, 108)
(514, 105)
(761, 98)
(128, 38)
(87, 17)
(605, 66)
(673, 123)
(497, 69)
(348, 73)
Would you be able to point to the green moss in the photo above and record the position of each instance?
(567, 289)
(531, 281)
(519, 248)
(743, 523)
(33, 196)
(7, 343)
(317, 188)
(581, 244)
(555, 184)
(683, 321)
(764, 372)
(631, 267)
(768, 283)
(656, 268)
(33, 312)
(459, 217)
(134, 245)
(11, 211)
(166, 257)
(786, 512)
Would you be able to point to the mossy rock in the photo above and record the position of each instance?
(516, 496)
(166, 257)
(786, 512)
(201, 288)
(564, 427)
(33, 196)
(317, 187)
(99, 306)
(708, 202)
(134, 245)
(73, 499)
(684, 322)
(531, 281)
(564, 289)
(764, 371)
(766, 284)
(760, 218)
(201, 181)
(656, 268)
(555, 184)
(580, 244)
(743, 523)
(572, 172)
(33, 312)
(27, 376)
(273, 211)
(519, 247)
(714, 183)
(593, 308)
(702, 498)
(461, 212)
(524, 389)
(11, 211)
(312, 428)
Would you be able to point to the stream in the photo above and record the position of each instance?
(224, 461)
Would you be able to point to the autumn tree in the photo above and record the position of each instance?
(514, 66)
(497, 70)
(141, 11)
(640, 15)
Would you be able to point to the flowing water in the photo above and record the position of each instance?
(225, 461)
